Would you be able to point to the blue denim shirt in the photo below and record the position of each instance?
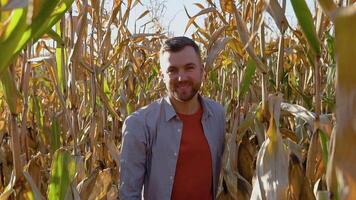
(151, 140)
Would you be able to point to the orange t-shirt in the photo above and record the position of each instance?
(193, 176)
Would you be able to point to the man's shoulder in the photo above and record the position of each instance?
(145, 112)
(213, 105)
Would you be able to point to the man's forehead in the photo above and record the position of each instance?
(186, 55)
(177, 64)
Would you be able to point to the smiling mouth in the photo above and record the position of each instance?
(183, 85)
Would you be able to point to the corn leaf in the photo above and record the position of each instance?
(277, 12)
(143, 15)
(102, 184)
(62, 174)
(247, 77)
(38, 112)
(214, 51)
(49, 13)
(305, 21)
(12, 95)
(202, 12)
(299, 185)
(9, 188)
(300, 112)
(85, 187)
(35, 191)
(55, 135)
(10, 38)
(56, 37)
(315, 166)
(227, 5)
(60, 58)
(244, 35)
(324, 141)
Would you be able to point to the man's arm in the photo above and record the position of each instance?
(222, 135)
(223, 118)
(133, 159)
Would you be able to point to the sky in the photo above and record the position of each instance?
(176, 18)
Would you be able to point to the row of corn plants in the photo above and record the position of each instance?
(71, 71)
(284, 99)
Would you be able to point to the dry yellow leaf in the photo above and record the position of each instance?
(227, 5)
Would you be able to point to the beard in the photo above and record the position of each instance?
(184, 91)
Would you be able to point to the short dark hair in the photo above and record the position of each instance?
(176, 44)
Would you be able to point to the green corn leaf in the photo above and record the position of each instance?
(50, 13)
(11, 37)
(107, 90)
(129, 108)
(305, 20)
(38, 112)
(14, 41)
(62, 174)
(56, 37)
(55, 135)
(48, 19)
(12, 95)
(60, 58)
(324, 141)
(213, 78)
(330, 46)
(18, 15)
(246, 80)
(37, 109)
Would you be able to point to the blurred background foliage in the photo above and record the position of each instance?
(68, 82)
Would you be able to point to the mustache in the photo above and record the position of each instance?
(184, 83)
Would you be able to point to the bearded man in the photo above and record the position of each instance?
(172, 148)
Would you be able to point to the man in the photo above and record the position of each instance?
(173, 147)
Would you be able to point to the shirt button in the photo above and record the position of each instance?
(171, 177)
(175, 154)
(178, 130)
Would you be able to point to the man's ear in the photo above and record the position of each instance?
(160, 75)
(204, 74)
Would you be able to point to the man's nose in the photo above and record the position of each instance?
(182, 76)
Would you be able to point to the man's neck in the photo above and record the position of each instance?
(186, 107)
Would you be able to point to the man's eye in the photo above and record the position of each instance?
(190, 68)
(171, 71)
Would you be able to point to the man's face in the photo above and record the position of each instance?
(182, 72)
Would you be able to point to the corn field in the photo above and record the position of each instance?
(71, 71)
